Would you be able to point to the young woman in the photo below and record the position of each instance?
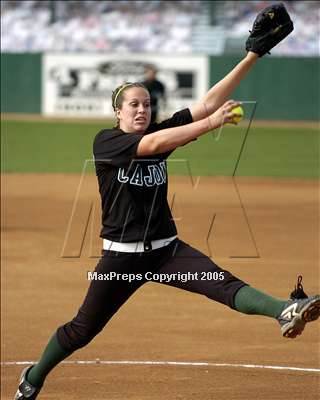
(139, 235)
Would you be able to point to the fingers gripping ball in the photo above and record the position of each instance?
(238, 114)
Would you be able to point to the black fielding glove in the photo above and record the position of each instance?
(270, 27)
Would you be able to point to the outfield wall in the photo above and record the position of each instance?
(285, 88)
(21, 83)
(80, 84)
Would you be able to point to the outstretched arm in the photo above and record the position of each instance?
(218, 94)
(270, 27)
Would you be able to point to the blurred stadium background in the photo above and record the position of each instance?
(60, 60)
(171, 27)
(64, 58)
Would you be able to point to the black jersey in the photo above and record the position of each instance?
(134, 189)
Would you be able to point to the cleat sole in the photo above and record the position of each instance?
(311, 312)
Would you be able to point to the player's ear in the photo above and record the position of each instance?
(118, 113)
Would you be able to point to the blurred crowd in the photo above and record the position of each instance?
(94, 26)
(154, 26)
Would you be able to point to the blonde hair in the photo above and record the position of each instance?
(117, 94)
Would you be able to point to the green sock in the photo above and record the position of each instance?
(251, 301)
(51, 356)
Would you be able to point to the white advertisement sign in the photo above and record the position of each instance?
(81, 85)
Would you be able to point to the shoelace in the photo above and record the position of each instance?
(298, 292)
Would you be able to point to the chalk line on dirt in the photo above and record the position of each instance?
(171, 363)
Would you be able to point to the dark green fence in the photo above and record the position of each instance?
(285, 88)
(21, 83)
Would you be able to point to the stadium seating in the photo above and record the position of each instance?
(168, 27)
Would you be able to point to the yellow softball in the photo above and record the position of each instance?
(238, 110)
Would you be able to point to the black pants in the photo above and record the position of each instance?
(177, 264)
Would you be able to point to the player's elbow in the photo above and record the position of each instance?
(149, 144)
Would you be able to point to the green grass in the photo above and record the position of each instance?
(32, 146)
(275, 152)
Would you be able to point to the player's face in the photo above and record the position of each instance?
(135, 114)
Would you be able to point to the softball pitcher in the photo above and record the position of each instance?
(140, 239)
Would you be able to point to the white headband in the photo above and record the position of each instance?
(119, 91)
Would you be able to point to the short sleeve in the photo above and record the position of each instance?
(180, 118)
(115, 147)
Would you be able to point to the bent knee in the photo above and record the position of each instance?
(74, 335)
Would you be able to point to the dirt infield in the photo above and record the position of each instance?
(264, 231)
